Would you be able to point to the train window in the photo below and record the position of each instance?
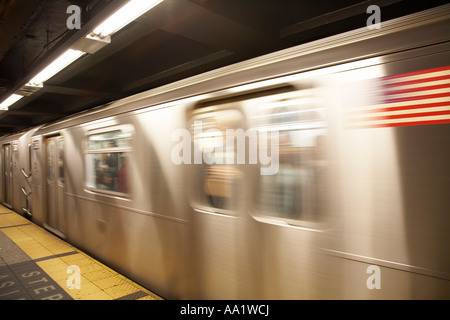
(50, 167)
(107, 140)
(29, 158)
(107, 160)
(293, 192)
(61, 161)
(219, 178)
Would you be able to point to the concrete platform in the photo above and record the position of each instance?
(37, 265)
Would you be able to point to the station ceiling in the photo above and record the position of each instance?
(174, 40)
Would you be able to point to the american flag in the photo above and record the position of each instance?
(408, 99)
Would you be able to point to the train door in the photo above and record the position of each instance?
(16, 192)
(217, 197)
(257, 192)
(26, 189)
(8, 174)
(289, 212)
(55, 184)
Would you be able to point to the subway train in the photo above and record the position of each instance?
(320, 171)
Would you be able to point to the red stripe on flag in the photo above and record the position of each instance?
(399, 108)
(418, 106)
(409, 115)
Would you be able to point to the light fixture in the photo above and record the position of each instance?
(96, 40)
(129, 12)
(10, 101)
(56, 66)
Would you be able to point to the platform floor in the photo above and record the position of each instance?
(37, 265)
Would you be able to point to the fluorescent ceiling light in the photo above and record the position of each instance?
(56, 66)
(10, 101)
(129, 12)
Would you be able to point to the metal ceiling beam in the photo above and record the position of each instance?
(144, 82)
(82, 103)
(48, 88)
(209, 28)
(5, 127)
(18, 121)
(36, 113)
(121, 41)
(333, 16)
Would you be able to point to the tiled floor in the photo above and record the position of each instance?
(36, 265)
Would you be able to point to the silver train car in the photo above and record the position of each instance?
(317, 172)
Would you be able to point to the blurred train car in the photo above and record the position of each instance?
(320, 171)
(15, 164)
